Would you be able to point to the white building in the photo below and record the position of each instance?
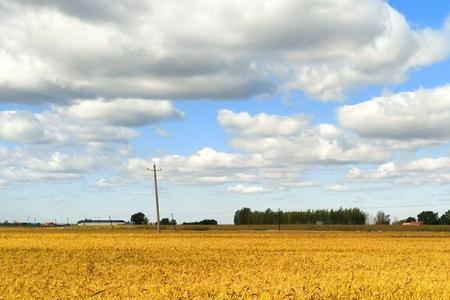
(101, 222)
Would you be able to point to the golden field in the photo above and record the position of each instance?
(139, 264)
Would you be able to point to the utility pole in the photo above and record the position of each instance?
(173, 222)
(110, 222)
(279, 219)
(158, 228)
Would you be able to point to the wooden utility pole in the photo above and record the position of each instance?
(110, 222)
(279, 220)
(158, 228)
(173, 222)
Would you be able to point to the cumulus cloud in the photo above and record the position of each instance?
(262, 124)
(421, 114)
(162, 132)
(243, 189)
(427, 170)
(354, 173)
(211, 167)
(277, 152)
(160, 50)
(67, 142)
(28, 166)
(429, 164)
(84, 121)
(338, 188)
(105, 183)
(122, 112)
(206, 166)
(293, 139)
(22, 127)
(50, 127)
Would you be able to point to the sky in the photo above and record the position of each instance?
(263, 104)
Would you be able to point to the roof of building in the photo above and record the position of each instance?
(100, 221)
(413, 223)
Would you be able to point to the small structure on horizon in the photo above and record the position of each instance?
(101, 222)
(413, 223)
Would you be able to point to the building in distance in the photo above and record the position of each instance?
(101, 222)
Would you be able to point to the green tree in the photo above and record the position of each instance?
(324, 216)
(242, 216)
(165, 221)
(381, 218)
(139, 219)
(407, 220)
(445, 218)
(428, 217)
(202, 222)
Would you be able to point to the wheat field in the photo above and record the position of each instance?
(139, 264)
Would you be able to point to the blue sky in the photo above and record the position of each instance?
(285, 107)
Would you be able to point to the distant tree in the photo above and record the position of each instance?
(410, 219)
(428, 217)
(407, 220)
(139, 219)
(208, 222)
(323, 216)
(165, 221)
(242, 216)
(381, 218)
(445, 218)
(202, 222)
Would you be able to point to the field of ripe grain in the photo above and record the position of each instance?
(138, 264)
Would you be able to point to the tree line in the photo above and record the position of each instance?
(429, 217)
(341, 216)
(350, 216)
(140, 219)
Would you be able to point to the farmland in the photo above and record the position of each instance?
(139, 264)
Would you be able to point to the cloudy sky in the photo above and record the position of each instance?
(281, 104)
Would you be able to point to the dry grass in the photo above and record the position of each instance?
(130, 264)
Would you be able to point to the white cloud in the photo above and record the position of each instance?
(162, 132)
(338, 188)
(122, 112)
(354, 173)
(43, 163)
(22, 127)
(429, 164)
(84, 121)
(28, 166)
(278, 152)
(105, 183)
(262, 124)
(427, 170)
(213, 179)
(206, 166)
(421, 114)
(386, 170)
(156, 50)
(297, 184)
(244, 189)
(211, 167)
(50, 127)
(301, 143)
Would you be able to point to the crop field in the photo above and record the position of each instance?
(139, 264)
